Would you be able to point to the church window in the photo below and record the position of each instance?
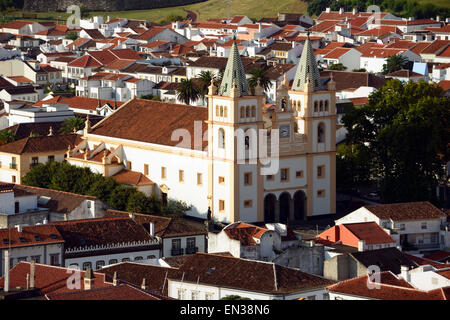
(221, 111)
(253, 111)
(321, 106)
(326, 105)
(163, 173)
(247, 142)
(321, 133)
(242, 112)
(321, 172)
(248, 203)
(199, 179)
(181, 175)
(247, 112)
(221, 180)
(221, 138)
(284, 175)
(316, 106)
(221, 205)
(217, 111)
(146, 169)
(225, 112)
(247, 179)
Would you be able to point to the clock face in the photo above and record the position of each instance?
(284, 131)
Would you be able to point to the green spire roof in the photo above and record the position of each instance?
(234, 75)
(307, 68)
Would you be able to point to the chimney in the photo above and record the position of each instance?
(144, 284)
(28, 281)
(438, 18)
(328, 10)
(405, 273)
(19, 228)
(151, 229)
(361, 245)
(32, 274)
(259, 27)
(341, 11)
(355, 11)
(6, 286)
(45, 221)
(115, 279)
(88, 279)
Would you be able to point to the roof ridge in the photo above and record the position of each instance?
(58, 191)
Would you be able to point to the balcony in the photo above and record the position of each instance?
(191, 250)
(13, 166)
(177, 252)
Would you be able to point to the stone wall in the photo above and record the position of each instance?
(102, 5)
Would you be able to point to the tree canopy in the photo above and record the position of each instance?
(394, 63)
(401, 137)
(64, 177)
(188, 91)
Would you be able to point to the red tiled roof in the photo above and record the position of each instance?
(151, 122)
(244, 233)
(19, 79)
(406, 211)
(101, 231)
(16, 24)
(120, 292)
(85, 62)
(323, 26)
(370, 232)
(336, 53)
(359, 101)
(48, 279)
(390, 288)
(438, 255)
(132, 178)
(41, 144)
(30, 235)
(425, 261)
(78, 102)
(444, 84)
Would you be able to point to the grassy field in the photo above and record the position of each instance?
(254, 9)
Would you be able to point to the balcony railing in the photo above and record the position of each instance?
(13, 166)
(191, 250)
(177, 252)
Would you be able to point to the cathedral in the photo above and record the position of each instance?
(254, 162)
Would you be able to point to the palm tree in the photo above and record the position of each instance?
(259, 76)
(188, 91)
(70, 124)
(394, 63)
(205, 79)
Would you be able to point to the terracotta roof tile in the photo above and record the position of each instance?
(132, 178)
(30, 235)
(41, 144)
(151, 122)
(48, 279)
(406, 211)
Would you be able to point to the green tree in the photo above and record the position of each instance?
(188, 91)
(72, 35)
(70, 124)
(6, 136)
(119, 197)
(205, 78)
(405, 128)
(175, 209)
(394, 63)
(150, 97)
(259, 76)
(337, 66)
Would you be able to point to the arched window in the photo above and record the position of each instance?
(321, 106)
(221, 111)
(225, 112)
(299, 106)
(295, 127)
(242, 112)
(283, 104)
(247, 112)
(221, 138)
(316, 106)
(253, 111)
(326, 105)
(321, 133)
(217, 111)
(247, 142)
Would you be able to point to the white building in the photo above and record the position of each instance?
(414, 225)
(213, 277)
(167, 143)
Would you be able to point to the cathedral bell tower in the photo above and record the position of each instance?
(314, 107)
(234, 119)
